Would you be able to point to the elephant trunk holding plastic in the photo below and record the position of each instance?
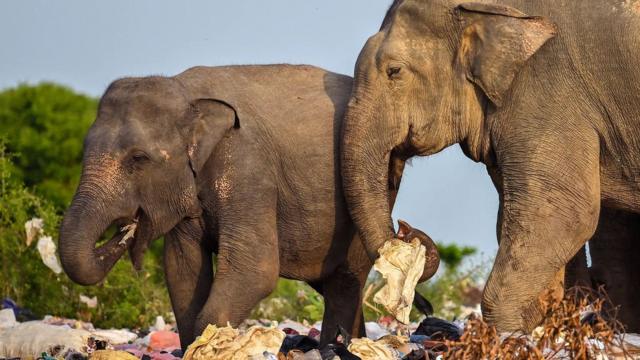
(88, 217)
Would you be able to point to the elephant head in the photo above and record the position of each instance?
(141, 157)
(422, 83)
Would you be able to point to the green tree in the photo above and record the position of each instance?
(44, 127)
(453, 255)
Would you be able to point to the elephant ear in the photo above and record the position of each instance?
(496, 42)
(212, 119)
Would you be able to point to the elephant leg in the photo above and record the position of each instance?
(614, 250)
(188, 273)
(343, 291)
(248, 259)
(550, 210)
(342, 305)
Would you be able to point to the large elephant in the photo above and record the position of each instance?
(545, 93)
(238, 160)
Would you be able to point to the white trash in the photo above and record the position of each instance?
(47, 249)
(7, 318)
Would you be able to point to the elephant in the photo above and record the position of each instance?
(241, 161)
(545, 93)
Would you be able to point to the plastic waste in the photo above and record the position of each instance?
(31, 339)
(298, 342)
(375, 330)
(115, 336)
(401, 265)
(438, 328)
(111, 355)
(7, 318)
(33, 228)
(159, 325)
(227, 343)
(91, 302)
(368, 349)
(47, 250)
(159, 340)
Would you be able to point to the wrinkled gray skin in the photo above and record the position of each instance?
(240, 161)
(545, 93)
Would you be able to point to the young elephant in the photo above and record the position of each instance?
(241, 161)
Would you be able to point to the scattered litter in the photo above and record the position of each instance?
(298, 343)
(163, 340)
(368, 349)
(375, 330)
(91, 302)
(33, 228)
(401, 265)
(47, 249)
(439, 329)
(112, 355)
(7, 318)
(227, 343)
(159, 325)
(31, 339)
(115, 336)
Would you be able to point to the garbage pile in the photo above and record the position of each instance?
(575, 327)
(59, 338)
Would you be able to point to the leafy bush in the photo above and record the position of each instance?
(124, 299)
(44, 126)
(291, 300)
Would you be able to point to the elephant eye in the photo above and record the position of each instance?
(136, 159)
(139, 156)
(393, 71)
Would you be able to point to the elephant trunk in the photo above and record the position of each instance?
(83, 224)
(365, 170)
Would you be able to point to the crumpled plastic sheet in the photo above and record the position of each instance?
(30, 339)
(33, 228)
(47, 249)
(368, 349)
(401, 265)
(91, 302)
(227, 343)
(115, 336)
(7, 318)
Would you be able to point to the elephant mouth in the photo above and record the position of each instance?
(134, 234)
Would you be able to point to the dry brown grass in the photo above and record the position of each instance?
(581, 325)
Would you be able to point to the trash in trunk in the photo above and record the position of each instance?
(401, 265)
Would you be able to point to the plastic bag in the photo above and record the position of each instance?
(401, 265)
(227, 344)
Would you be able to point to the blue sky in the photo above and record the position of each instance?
(87, 44)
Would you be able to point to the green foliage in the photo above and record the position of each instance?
(452, 255)
(124, 299)
(291, 300)
(44, 126)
